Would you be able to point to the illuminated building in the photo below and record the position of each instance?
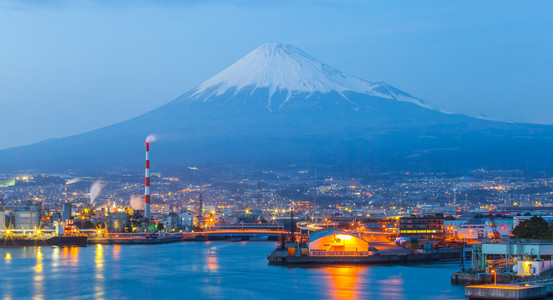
(186, 219)
(426, 227)
(7, 183)
(335, 242)
(525, 258)
(159, 208)
(303, 206)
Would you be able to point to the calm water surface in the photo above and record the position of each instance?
(212, 270)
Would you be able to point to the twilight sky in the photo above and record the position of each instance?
(70, 66)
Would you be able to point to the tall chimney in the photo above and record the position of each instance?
(147, 183)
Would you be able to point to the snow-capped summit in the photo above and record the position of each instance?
(278, 106)
(285, 68)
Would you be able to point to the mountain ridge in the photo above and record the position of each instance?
(312, 114)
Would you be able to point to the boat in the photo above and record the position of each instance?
(138, 239)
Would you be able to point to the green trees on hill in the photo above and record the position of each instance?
(533, 228)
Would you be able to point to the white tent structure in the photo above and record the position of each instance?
(334, 242)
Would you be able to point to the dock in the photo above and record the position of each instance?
(467, 277)
(505, 291)
(537, 289)
(283, 258)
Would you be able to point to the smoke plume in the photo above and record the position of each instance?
(137, 202)
(151, 138)
(95, 190)
(74, 180)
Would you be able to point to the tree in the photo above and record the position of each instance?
(160, 227)
(533, 228)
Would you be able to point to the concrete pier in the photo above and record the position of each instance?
(283, 258)
(505, 291)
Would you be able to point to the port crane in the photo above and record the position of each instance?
(494, 234)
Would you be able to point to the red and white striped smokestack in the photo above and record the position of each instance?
(66, 192)
(147, 183)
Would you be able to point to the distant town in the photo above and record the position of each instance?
(115, 202)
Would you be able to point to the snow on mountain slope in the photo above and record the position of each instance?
(281, 67)
(278, 107)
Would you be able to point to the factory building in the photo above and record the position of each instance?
(186, 219)
(26, 220)
(425, 227)
(525, 258)
(66, 212)
(117, 221)
(171, 221)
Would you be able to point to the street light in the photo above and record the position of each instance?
(494, 277)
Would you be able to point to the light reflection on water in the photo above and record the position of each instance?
(99, 273)
(116, 252)
(213, 270)
(392, 287)
(212, 265)
(344, 281)
(38, 278)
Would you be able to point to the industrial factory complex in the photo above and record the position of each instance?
(476, 218)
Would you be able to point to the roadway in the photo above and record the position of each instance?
(379, 240)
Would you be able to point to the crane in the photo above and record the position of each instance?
(494, 234)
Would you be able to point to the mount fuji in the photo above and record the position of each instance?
(279, 106)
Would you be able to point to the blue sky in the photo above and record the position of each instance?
(72, 66)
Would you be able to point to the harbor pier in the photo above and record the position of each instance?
(506, 292)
